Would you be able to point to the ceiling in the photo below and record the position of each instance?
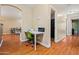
(66, 7)
(60, 7)
(9, 12)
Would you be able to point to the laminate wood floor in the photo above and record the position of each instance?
(12, 46)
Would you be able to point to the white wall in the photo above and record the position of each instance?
(60, 22)
(60, 27)
(26, 20)
(41, 17)
(69, 26)
(10, 18)
(8, 24)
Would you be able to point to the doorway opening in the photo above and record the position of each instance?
(75, 27)
(52, 25)
(10, 28)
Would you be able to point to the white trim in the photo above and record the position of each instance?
(47, 46)
(23, 40)
(1, 43)
(60, 38)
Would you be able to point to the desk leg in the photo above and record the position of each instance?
(35, 41)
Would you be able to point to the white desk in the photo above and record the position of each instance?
(35, 33)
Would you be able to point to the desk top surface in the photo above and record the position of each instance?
(36, 32)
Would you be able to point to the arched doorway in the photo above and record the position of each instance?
(10, 17)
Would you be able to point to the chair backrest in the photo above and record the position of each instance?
(29, 35)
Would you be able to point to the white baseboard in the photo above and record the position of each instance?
(23, 40)
(1, 43)
(43, 44)
(59, 39)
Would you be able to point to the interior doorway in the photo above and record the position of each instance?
(10, 28)
(52, 25)
(75, 27)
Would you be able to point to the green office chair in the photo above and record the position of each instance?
(30, 37)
